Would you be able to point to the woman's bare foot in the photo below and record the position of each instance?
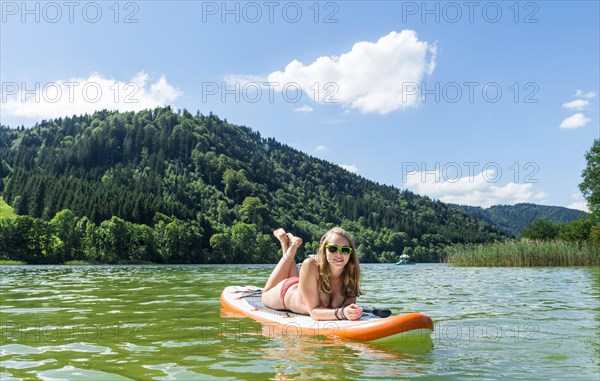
(294, 243)
(283, 239)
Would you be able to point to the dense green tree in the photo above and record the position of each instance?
(177, 241)
(222, 248)
(541, 229)
(594, 236)
(87, 230)
(28, 239)
(236, 184)
(64, 225)
(253, 211)
(244, 243)
(575, 231)
(113, 240)
(590, 186)
(142, 246)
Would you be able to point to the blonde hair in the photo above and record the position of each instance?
(351, 272)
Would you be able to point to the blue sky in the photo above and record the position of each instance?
(477, 103)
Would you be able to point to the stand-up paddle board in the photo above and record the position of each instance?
(246, 300)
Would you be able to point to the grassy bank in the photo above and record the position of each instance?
(79, 262)
(88, 263)
(5, 209)
(11, 262)
(526, 253)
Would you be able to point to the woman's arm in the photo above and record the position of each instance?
(352, 311)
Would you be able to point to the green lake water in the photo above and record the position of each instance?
(165, 323)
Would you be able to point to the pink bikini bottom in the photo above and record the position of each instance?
(289, 282)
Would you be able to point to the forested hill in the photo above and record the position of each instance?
(512, 219)
(223, 186)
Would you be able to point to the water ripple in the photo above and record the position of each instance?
(76, 374)
(165, 322)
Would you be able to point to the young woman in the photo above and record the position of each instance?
(326, 287)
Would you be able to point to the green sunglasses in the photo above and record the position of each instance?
(346, 250)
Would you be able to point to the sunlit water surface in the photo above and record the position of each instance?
(165, 323)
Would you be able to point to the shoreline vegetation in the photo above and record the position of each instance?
(168, 186)
(512, 253)
(525, 253)
(10, 262)
(159, 186)
(67, 240)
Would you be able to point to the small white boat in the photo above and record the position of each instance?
(405, 260)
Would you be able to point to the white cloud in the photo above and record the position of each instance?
(583, 94)
(580, 205)
(350, 167)
(477, 190)
(579, 202)
(575, 121)
(305, 108)
(371, 77)
(85, 95)
(321, 148)
(578, 104)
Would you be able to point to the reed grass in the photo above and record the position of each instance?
(525, 252)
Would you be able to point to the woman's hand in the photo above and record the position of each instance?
(352, 312)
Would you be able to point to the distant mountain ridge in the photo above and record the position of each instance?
(512, 219)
